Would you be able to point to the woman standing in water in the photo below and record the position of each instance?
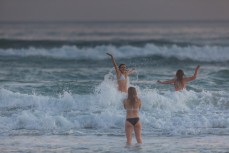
(132, 104)
(180, 81)
(122, 75)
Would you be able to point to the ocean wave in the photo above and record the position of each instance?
(20, 43)
(165, 113)
(204, 53)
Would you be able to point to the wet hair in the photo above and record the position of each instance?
(132, 95)
(121, 65)
(180, 75)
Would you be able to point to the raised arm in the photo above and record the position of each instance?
(114, 63)
(194, 75)
(166, 82)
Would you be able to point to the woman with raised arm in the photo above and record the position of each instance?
(180, 81)
(132, 105)
(121, 74)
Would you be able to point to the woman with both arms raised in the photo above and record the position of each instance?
(180, 81)
(122, 75)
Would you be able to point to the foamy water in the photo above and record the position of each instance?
(162, 113)
(59, 93)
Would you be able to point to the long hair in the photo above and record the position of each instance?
(132, 96)
(179, 76)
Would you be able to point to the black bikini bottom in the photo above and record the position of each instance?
(133, 121)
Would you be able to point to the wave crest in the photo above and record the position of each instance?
(205, 53)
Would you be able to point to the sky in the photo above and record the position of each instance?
(113, 10)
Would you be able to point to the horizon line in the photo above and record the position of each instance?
(107, 21)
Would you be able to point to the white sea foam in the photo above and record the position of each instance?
(173, 113)
(205, 53)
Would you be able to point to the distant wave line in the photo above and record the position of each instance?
(20, 43)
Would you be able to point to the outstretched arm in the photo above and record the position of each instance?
(194, 75)
(131, 71)
(166, 82)
(114, 63)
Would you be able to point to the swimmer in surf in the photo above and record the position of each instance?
(121, 74)
(180, 81)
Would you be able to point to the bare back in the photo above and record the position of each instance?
(132, 111)
(179, 85)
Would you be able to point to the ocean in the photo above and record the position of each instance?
(58, 90)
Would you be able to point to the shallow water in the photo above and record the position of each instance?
(87, 143)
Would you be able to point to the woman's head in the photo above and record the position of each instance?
(122, 67)
(132, 94)
(180, 75)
